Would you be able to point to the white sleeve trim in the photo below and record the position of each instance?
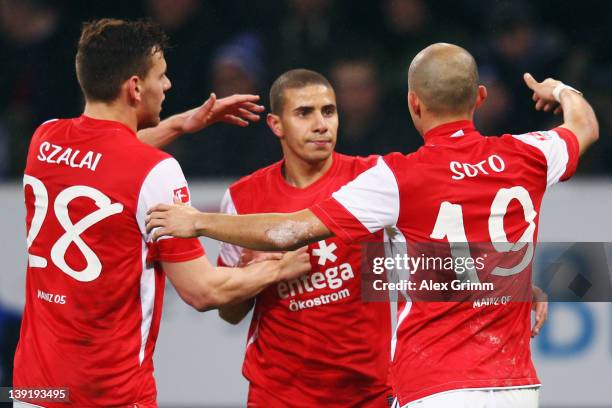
(554, 149)
(164, 182)
(372, 197)
(229, 254)
(158, 188)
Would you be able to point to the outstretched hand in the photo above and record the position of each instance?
(236, 110)
(543, 93)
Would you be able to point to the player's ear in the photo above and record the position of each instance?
(134, 88)
(481, 95)
(414, 104)
(275, 125)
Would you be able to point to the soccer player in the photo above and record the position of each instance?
(459, 187)
(313, 333)
(95, 280)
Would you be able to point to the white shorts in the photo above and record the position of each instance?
(494, 398)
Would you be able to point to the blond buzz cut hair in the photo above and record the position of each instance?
(445, 77)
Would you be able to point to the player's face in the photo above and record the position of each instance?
(154, 86)
(309, 123)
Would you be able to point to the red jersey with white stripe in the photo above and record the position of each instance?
(459, 187)
(94, 289)
(312, 341)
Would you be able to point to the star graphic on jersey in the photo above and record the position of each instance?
(325, 252)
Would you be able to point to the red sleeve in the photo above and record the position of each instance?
(175, 250)
(572, 151)
(340, 221)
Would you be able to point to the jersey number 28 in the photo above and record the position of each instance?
(72, 232)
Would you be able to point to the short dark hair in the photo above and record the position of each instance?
(110, 51)
(296, 78)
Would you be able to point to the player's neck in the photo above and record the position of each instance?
(435, 121)
(112, 111)
(301, 174)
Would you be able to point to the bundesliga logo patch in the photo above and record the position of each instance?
(181, 194)
(540, 135)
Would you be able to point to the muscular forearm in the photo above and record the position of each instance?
(205, 287)
(579, 117)
(234, 313)
(222, 286)
(165, 132)
(263, 232)
(235, 285)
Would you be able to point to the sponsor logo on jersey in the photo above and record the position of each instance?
(329, 277)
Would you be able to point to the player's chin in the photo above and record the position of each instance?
(319, 153)
(325, 147)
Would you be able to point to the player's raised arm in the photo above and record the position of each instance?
(213, 286)
(578, 116)
(236, 110)
(263, 232)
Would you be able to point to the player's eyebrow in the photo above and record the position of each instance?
(304, 109)
(328, 107)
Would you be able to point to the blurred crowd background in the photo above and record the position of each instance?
(363, 46)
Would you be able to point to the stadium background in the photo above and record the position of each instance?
(364, 47)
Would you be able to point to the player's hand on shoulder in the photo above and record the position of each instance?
(295, 264)
(177, 220)
(543, 93)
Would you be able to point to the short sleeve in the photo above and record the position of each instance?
(163, 184)
(364, 206)
(229, 254)
(560, 148)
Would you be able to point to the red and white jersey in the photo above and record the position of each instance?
(458, 187)
(312, 341)
(94, 290)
